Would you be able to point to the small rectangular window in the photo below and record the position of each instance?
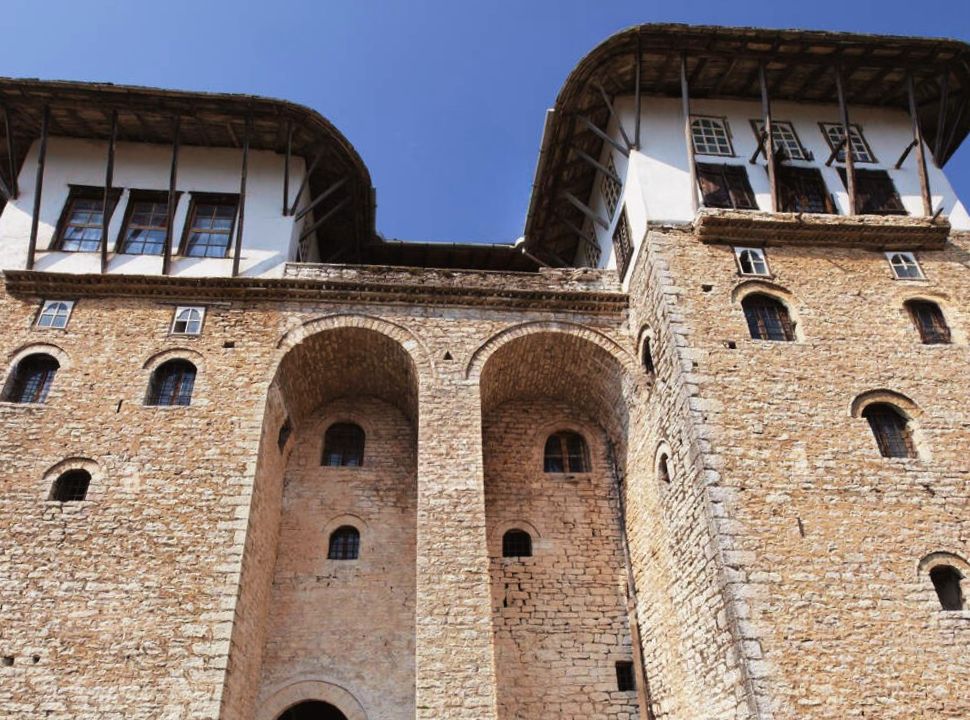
(208, 232)
(834, 135)
(751, 261)
(803, 190)
(875, 193)
(787, 143)
(711, 136)
(145, 223)
(610, 188)
(905, 266)
(188, 320)
(622, 244)
(725, 186)
(55, 314)
(81, 225)
(625, 679)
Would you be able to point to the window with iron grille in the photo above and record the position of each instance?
(72, 486)
(81, 227)
(946, 581)
(711, 136)
(625, 679)
(725, 186)
(904, 266)
(803, 190)
(834, 135)
(343, 445)
(891, 430)
(146, 221)
(55, 314)
(344, 544)
(188, 320)
(172, 383)
(610, 188)
(751, 261)
(875, 193)
(516, 543)
(929, 321)
(566, 452)
(208, 233)
(768, 318)
(622, 244)
(787, 144)
(32, 379)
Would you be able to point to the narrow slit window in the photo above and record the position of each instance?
(32, 379)
(344, 544)
(646, 355)
(172, 383)
(343, 445)
(516, 543)
(929, 321)
(210, 226)
(146, 224)
(803, 190)
(82, 222)
(286, 429)
(725, 186)
(566, 452)
(875, 193)
(72, 486)
(891, 431)
(622, 244)
(663, 469)
(711, 136)
(904, 266)
(625, 679)
(751, 261)
(55, 314)
(946, 581)
(188, 320)
(768, 318)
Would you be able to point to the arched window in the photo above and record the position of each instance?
(647, 357)
(54, 314)
(516, 543)
(946, 581)
(172, 383)
(344, 544)
(905, 266)
(663, 469)
(768, 318)
(343, 445)
(751, 261)
(929, 321)
(187, 321)
(566, 452)
(71, 486)
(32, 379)
(891, 430)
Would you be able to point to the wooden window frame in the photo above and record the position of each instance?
(135, 196)
(830, 208)
(823, 126)
(890, 254)
(16, 385)
(43, 308)
(612, 190)
(342, 426)
(740, 249)
(196, 199)
(622, 248)
(726, 170)
(175, 314)
(868, 175)
(885, 444)
(785, 320)
(804, 154)
(562, 437)
(938, 332)
(83, 192)
(154, 389)
(727, 133)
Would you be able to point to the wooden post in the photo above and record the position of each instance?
(940, 125)
(308, 171)
(614, 115)
(11, 153)
(242, 201)
(107, 207)
(849, 162)
(38, 187)
(172, 196)
(286, 167)
(924, 180)
(637, 96)
(688, 135)
(769, 138)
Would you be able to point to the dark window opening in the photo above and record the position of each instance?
(622, 244)
(767, 318)
(172, 383)
(286, 429)
(32, 379)
(343, 446)
(929, 321)
(516, 543)
(208, 232)
(312, 710)
(647, 357)
(725, 186)
(663, 469)
(625, 679)
(145, 226)
(946, 580)
(344, 544)
(803, 190)
(891, 430)
(566, 452)
(81, 227)
(875, 193)
(72, 486)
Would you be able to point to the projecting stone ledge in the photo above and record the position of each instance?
(877, 232)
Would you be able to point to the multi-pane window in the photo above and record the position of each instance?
(72, 486)
(904, 266)
(516, 543)
(566, 452)
(344, 544)
(209, 229)
(54, 314)
(725, 186)
(875, 193)
(343, 445)
(803, 190)
(711, 136)
(188, 320)
(751, 261)
(929, 321)
(946, 581)
(145, 225)
(891, 430)
(622, 244)
(82, 222)
(786, 139)
(625, 680)
(768, 318)
(834, 135)
(172, 383)
(32, 379)
(610, 188)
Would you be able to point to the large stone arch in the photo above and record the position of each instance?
(299, 691)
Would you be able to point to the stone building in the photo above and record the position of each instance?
(691, 449)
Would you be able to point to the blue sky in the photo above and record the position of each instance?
(443, 100)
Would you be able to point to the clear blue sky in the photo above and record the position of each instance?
(443, 100)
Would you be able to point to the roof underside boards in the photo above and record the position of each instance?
(724, 63)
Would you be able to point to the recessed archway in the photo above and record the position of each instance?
(312, 710)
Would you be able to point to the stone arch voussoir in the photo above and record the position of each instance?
(299, 691)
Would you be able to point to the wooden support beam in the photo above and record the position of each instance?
(940, 124)
(5, 189)
(575, 228)
(172, 196)
(321, 197)
(603, 136)
(286, 167)
(107, 206)
(835, 151)
(924, 178)
(637, 97)
(597, 165)
(11, 154)
(722, 81)
(846, 131)
(614, 115)
(902, 158)
(237, 253)
(769, 142)
(759, 148)
(688, 135)
(38, 187)
(951, 138)
(332, 211)
(304, 181)
(585, 209)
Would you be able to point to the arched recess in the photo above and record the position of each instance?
(294, 693)
(358, 614)
(536, 379)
